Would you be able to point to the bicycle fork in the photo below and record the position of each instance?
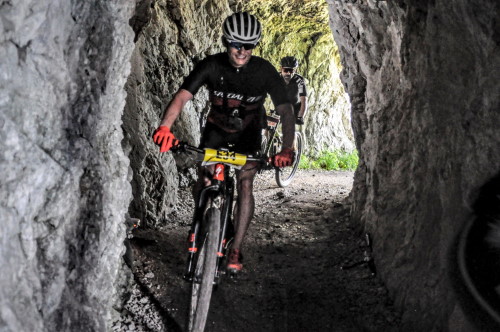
(226, 230)
(221, 199)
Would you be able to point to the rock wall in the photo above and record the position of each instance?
(64, 187)
(423, 82)
(171, 36)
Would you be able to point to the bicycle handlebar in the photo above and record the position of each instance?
(221, 156)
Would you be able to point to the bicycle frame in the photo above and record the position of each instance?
(273, 144)
(220, 193)
(209, 233)
(273, 122)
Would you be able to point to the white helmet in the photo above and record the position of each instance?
(242, 28)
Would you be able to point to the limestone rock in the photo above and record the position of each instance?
(172, 38)
(64, 189)
(423, 83)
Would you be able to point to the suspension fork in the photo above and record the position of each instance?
(207, 196)
(226, 212)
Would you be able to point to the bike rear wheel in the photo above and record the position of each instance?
(285, 175)
(203, 279)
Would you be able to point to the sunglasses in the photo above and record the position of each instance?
(239, 46)
(288, 70)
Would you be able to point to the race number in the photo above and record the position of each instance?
(226, 157)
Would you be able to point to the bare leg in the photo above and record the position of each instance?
(245, 204)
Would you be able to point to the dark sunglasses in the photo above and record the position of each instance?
(246, 46)
(288, 70)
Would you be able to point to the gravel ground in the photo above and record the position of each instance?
(293, 280)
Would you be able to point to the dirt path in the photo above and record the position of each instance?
(292, 279)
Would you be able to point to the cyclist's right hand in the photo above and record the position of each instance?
(284, 158)
(164, 137)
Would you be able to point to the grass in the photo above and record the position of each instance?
(331, 161)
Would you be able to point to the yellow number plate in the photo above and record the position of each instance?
(227, 157)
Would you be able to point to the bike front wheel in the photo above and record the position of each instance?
(203, 279)
(285, 175)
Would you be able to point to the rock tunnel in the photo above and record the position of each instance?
(83, 84)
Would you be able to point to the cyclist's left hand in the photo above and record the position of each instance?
(164, 137)
(284, 158)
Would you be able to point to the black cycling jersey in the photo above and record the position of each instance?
(296, 88)
(242, 89)
(247, 141)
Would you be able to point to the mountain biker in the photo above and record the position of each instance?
(295, 86)
(238, 84)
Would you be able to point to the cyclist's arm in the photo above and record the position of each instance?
(188, 89)
(303, 107)
(276, 88)
(302, 96)
(285, 111)
(175, 107)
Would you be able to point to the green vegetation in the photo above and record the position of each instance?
(331, 161)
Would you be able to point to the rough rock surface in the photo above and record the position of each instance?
(423, 82)
(64, 188)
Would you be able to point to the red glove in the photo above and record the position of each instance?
(284, 158)
(164, 136)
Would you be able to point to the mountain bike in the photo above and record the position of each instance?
(271, 145)
(212, 228)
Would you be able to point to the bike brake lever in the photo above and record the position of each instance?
(178, 146)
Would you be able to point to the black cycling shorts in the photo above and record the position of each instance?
(247, 141)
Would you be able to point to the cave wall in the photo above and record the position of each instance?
(171, 37)
(64, 187)
(423, 82)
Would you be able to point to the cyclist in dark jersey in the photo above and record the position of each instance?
(296, 87)
(238, 84)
